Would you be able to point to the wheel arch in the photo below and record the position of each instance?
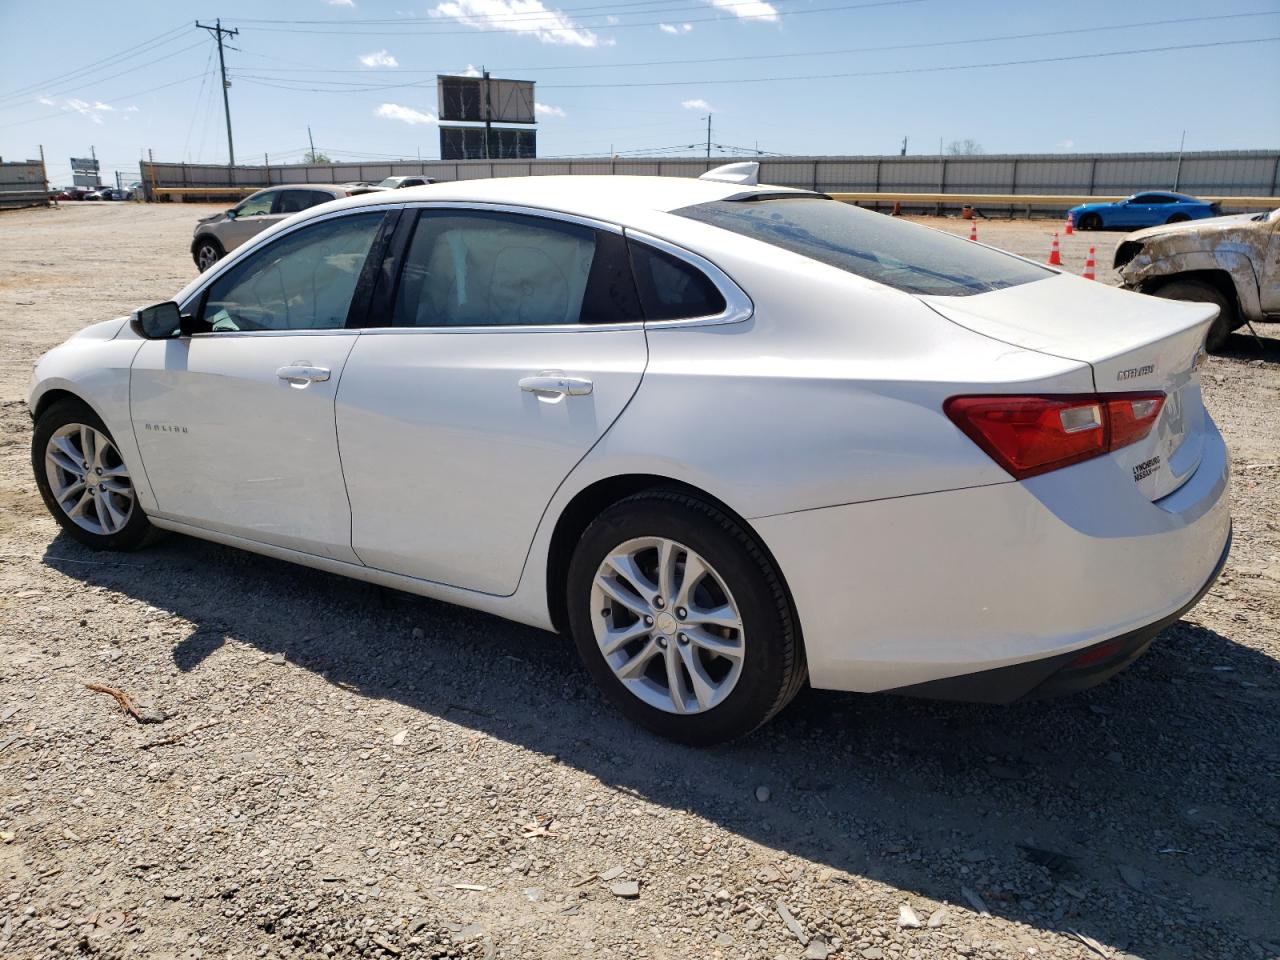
(593, 499)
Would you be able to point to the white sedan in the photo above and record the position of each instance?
(731, 438)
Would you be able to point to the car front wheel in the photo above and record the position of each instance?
(1197, 291)
(84, 481)
(682, 620)
(208, 252)
(1090, 221)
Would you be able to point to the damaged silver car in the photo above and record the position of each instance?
(1233, 262)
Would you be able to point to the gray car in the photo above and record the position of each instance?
(218, 235)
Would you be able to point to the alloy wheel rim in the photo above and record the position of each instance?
(208, 257)
(88, 479)
(667, 625)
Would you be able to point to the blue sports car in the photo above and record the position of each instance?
(1142, 210)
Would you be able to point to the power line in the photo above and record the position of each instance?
(79, 85)
(905, 70)
(615, 7)
(552, 20)
(878, 48)
(127, 96)
(158, 40)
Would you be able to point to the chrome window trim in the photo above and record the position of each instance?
(232, 259)
(737, 305)
(545, 213)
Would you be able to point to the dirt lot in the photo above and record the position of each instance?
(347, 771)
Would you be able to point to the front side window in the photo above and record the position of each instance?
(303, 280)
(1154, 198)
(905, 256)
(474, 268)
(258, 205)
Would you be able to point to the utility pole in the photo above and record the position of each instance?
(488, 114)
(217, 31)
(311, 140)
(1177, 174)
(708, 136)
(904, 147)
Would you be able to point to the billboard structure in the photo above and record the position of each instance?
(84, 172)
(464, 101)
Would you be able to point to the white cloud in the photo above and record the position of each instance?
(750, 10)
(1066, 144)
(546, 110)
(342, 3)
(471, 71)
(93, 111)
(697, 105)
(518, 16)
(611, 20)
(379, 58)
(132, 109)
(675, 28)
(397, 111)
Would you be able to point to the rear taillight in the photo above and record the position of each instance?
(1033, 435)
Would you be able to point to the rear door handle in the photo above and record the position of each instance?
(551, 382)
(300, 374)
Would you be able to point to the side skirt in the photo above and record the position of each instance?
(505, 607)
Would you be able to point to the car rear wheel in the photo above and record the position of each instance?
(1090, 221)
(1178, 218)
(1198, 291)
(208, 252)
(682, 620)
(84, 481)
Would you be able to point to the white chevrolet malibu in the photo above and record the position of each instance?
(731, 438)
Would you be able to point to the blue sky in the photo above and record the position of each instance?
(361, 73)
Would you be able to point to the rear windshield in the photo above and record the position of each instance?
(906, 256)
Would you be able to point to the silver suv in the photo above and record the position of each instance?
(218, 235)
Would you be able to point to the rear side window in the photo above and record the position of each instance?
(671, 289)
(905, 256)
(471, 268)
(295, 201)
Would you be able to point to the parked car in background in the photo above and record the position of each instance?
(731, 438)
(108, 193)
(72, 193)
(1142, 210)
(218, 235)
(396, 183)
(1232, 262)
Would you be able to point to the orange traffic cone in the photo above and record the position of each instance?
(1089, 266)
(1071, 227)
(1055, 256)
(973, 230)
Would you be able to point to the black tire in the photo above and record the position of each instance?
(137, 530)
(773, 669)
(1198, 291)
(1090, 221)
(207, 247)
(1178, 218)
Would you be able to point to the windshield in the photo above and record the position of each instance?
(390, 182)
(905, 256)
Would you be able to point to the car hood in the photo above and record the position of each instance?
(1086, 207)
(212, 218)
(1210, 225)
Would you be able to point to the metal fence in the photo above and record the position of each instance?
(23, 184)
(1242, 173)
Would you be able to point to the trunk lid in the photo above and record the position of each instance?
(1133, 342)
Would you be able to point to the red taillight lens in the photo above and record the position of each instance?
(1030, 435)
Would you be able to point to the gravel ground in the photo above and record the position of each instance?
(348, 771)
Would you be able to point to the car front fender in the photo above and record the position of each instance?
(1166, 258)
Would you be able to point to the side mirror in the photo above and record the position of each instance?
(160, 321)
(231, 214)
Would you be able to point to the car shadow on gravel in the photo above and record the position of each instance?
(1244, 345)
(1143, 814)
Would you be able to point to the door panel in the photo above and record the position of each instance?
(449, 462)
(230, 445)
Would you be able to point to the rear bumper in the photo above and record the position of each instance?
(1062, 674)
(1014, 581)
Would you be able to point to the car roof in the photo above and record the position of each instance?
(602, 196)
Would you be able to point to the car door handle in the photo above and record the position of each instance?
(556, 383)
(300, 374)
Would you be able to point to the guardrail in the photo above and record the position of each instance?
(1030, 199)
